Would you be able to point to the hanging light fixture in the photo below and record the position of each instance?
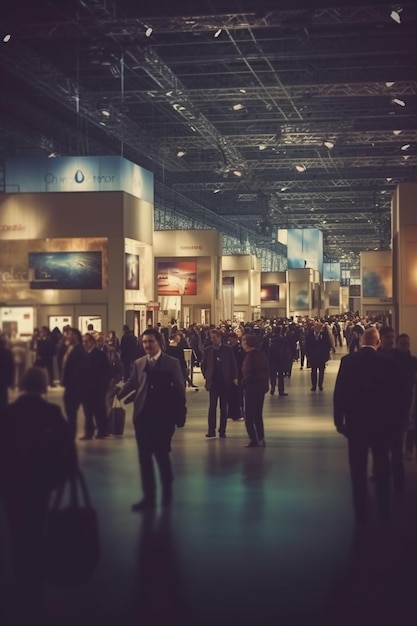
(181, 153)
(396, 14)
(300, 168)
(217, 33)
(329, 144)
(406, 146)
(400, 103)
(238, 107)
(397, 132)
(148, 31)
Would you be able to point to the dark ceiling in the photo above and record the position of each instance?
(245, 91)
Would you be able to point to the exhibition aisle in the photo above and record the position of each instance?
(255, 536)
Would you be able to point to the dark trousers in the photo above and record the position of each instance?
(235, 402)
(216, 395)
(317, 368)
(95, 409)
(358, 462)
(277, 375)
(254, 402)
(302, 356)
(72, 402)
(155, 444)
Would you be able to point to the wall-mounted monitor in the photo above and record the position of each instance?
(65, 270)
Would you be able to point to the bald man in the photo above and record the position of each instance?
(366, 397)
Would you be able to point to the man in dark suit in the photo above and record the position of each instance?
(74, 377)
(98, 380)
(219, 369)
(366, 395)
(157, 389)
(128, 348)
(317, 349)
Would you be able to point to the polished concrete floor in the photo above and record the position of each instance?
(255, 536)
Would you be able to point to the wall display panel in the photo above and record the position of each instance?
(377, 282)
(331, 271)
(411, 272)
(269, 292)
(65, 270)
(177, 278)
(131, 271)
(305, 248)
(299, 296)
(334, 298)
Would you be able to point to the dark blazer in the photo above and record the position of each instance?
(75, 375)
(318, 350)
(98, 375)
(367, 394)
(167, 391)
(228, 365)
(255, 372)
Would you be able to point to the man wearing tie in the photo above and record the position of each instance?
(317, 349)
(156, 387)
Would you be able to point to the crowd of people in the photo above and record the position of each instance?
(375, 403)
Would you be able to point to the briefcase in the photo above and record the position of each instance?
(117, 419)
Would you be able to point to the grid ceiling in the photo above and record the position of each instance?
(245, 91)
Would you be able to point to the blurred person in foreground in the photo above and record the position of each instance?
(366, 397)
(37, 455)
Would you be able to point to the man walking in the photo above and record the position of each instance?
(318, 348)
(74, 377)
(219, 369)
(98, 380)
(366, 395)
(157, 389)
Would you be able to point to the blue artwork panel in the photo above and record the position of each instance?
(65, 270)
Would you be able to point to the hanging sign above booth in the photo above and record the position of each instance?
(71, 174)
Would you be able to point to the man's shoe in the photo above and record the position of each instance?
(283, 394)
(313, 389)
(251, 444)
(222, 435)
(272, 391)
(102, 436)
(85, 438)
(211, 436)
(143, 505)
(321, 388)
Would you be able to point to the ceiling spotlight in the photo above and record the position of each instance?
(329, 144)
(406, 156)
(400, 103)
(395, 15)
(148, 31)
(389, 180)
(217, 33)
(389, 83)
(216, 191)
(52, 155)
(262, 146)
(7, 38)
(397, 132)
(193, 128)
(105, 112)
(300, 168)
(242, 90)
(181, 153)
(284, 188)
(238, 107)
(237, 173)
(406, 146)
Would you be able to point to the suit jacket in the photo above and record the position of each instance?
(75, 375)
(318, 350)
(367, 395)
(227, 364)
(98, 376)
(158, 396)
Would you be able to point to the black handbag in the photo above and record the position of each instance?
(72, 545)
